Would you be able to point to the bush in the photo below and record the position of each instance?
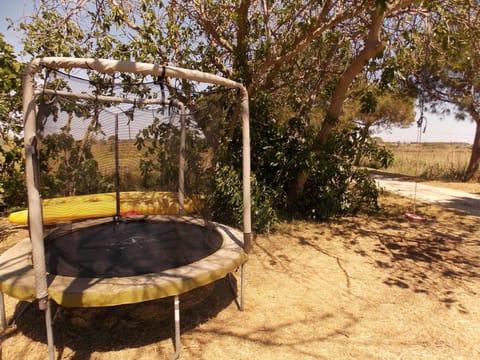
(336, 186)
(281, 152)
(227, 201)
(13, 192)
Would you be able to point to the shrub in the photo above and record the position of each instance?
(12, 179)
(281, 152)
(227, 201)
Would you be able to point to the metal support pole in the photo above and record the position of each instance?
(246, 178)
(242, 287)
(48, 326)
(176, 315)
(117, 170)
(231, 282)
(239, 300)
(2, 311)
(181, 165)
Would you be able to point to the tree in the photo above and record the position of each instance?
(11, 164)
(379, 110)
(452, 75)
(253, 41)
(308, 54)
(374, 108)
(371, 46)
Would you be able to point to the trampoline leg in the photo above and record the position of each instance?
(239, 300)
(176, 315)
(2, 311)
(242, 287)
(48, 326)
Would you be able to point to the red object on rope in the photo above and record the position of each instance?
(415, 217)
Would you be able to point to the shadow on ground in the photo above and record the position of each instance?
(465, 205)
(431, 257)
(87, 330)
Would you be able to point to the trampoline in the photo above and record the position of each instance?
(123, 258)
(104, 262)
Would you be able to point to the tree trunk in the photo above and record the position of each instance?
(86, 136)
(373, 46)
(475, 156)
(68, 125)
(297, 188)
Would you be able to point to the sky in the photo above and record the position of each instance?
(14, 10)
(438, 129)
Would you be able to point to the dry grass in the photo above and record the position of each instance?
(445, 161)
(366, 287)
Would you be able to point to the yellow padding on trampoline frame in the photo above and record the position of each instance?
(102, 205)
(17, 277)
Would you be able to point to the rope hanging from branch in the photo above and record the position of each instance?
(422, 121)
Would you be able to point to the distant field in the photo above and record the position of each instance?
(430, 161)
(104, 153)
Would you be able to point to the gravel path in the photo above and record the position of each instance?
(449, 198)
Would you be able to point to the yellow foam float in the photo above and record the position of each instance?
(102, 205)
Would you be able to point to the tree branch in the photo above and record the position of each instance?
(241, 53)
(373, 46)
(127, 21)
(210, 27)
(273, 66)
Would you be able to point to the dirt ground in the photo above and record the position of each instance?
(366, 287)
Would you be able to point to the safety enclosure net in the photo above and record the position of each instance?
(139, 143)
